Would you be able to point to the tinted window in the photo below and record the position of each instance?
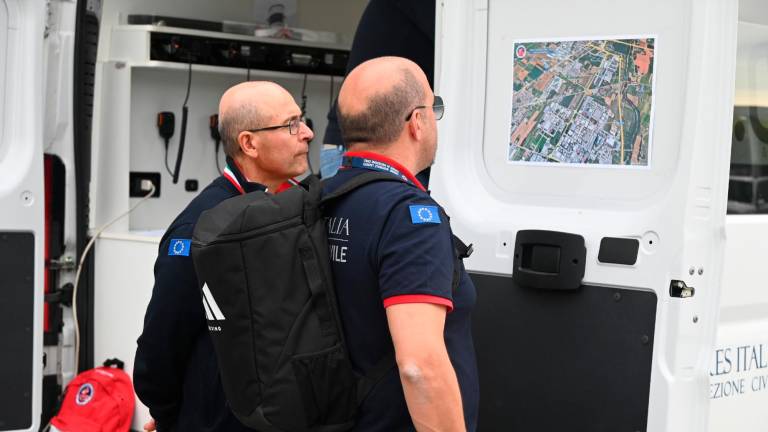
(748, 186)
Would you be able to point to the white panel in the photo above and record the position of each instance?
(122, 293)
(739, 363)
(745, 296)
(4, 36)
(111, 145)
(739, 382)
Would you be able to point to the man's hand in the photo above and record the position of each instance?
(429, 381)
(150, 426)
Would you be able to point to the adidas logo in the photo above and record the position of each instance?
(212, 310)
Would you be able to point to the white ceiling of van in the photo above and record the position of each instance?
(754, 11)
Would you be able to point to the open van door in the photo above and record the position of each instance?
(22, 202)
(585, 153)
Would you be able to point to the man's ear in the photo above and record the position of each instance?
(249, 144)
(416, 125)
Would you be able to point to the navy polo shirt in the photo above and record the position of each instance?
(175, 371)
(390, 243)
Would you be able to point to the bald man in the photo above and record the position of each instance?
(397, 269)
(175, 370)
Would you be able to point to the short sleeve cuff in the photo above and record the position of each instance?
(418, 298)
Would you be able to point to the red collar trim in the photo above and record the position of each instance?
(391, 162)
(291, 182)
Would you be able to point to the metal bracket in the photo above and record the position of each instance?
(66, 263)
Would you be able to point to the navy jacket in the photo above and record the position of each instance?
(175, 370)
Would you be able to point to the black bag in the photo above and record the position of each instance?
(262, 261)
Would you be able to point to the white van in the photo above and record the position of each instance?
(606, 158)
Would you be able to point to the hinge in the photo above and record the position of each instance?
(62, 295)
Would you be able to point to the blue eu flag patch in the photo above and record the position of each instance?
(179, 247)
(423, 214)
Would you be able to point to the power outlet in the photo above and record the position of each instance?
(135, 184)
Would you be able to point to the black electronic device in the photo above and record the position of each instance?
(184, 116)
(166, 125)
(305, 119)
(191, 185)
(182, 137)
(248, 54)
(213, 125)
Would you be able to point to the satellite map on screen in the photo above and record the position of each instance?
(582, 102)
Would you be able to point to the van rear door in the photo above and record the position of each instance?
(584, 151)
(22, 200)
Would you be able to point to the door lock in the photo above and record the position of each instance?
(679, 289)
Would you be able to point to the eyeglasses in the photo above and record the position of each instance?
(293, 127)
(438, 107)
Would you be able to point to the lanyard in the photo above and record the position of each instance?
(229, 175)
(374, 162)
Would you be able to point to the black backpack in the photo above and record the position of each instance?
(265, 274)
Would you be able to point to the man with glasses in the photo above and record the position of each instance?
(175, 370)
(393, 258)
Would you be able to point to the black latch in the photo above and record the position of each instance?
(549, 260)
(679, 289)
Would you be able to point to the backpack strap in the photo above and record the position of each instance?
(358, 181)
(315, 278)
(460, 251)
(315, 199)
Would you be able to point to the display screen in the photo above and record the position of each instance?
(583, 102)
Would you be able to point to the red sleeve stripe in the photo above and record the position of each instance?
(418, 298)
